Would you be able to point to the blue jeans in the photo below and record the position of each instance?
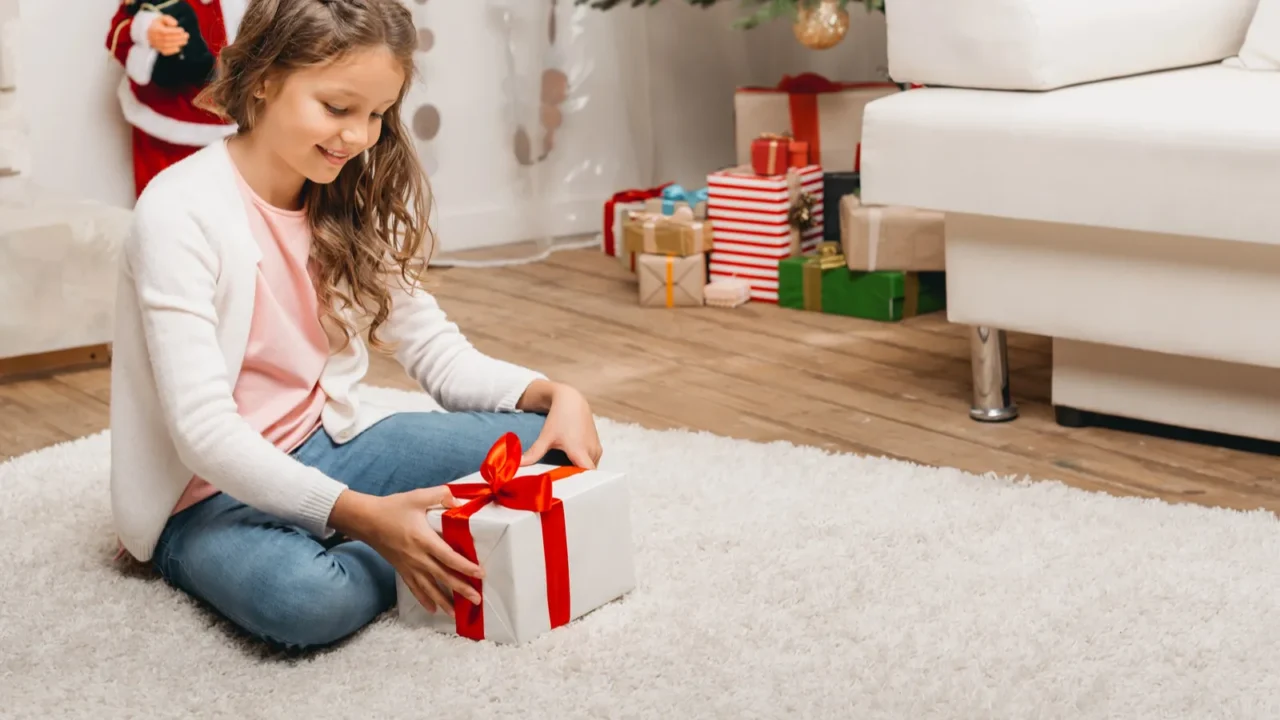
(280, 583)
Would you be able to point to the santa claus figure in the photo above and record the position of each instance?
(169, 50)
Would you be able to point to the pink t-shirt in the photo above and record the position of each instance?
(278, 391)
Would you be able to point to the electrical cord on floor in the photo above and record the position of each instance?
(593, 242)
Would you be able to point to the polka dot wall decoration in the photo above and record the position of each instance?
(554, 92)
(426, 121)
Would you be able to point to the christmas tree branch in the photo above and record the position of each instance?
(759, 10)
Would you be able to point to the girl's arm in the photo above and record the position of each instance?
(436, 354)
(462, 378)
(173, 269)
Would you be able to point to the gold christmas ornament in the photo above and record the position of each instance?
(821, 27)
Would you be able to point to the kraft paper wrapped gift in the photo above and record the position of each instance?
(555, 544)
(670, 281)
(825, 115)
(680, 233)
(892, 238)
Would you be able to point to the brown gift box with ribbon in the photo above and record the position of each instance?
(892, 237)
(680, 234)
(670, 281)
(825, 115)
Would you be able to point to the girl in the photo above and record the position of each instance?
(244, 464)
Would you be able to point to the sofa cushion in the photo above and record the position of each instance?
(1046, 44)
(1192, 152)
(1261, 49)
(59, 261)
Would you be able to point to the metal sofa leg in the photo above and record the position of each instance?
(989, 357)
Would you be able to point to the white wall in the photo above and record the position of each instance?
(695, 59)
(653, 92)
(484, 75)
(67, 81)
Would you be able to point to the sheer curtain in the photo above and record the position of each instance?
(629, 98)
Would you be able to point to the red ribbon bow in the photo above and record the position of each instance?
(527, 492)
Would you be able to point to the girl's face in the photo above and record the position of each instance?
(316, 119)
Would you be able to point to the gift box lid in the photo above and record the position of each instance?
(496, 517)
(742, 176)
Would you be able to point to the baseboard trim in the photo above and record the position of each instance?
(80, 358)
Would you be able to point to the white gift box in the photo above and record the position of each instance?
(620, 212)
(834, 110)
(515, 607)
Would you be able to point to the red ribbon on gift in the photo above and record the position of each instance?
(626, 196)
(802, 96)
(527, 492)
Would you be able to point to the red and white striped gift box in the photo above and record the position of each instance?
(752, 231)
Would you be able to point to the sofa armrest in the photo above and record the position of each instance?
(1047, 44)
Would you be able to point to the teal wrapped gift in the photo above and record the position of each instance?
(673, 195)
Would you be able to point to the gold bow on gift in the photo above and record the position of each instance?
(828, 257)
(801, 214)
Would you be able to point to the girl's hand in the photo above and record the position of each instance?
(570, 426)
(396, 527)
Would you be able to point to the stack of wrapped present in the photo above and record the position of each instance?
(669, 239)
(764, 212)
(663, 236)
(616, 211)
(821, 114)
(791, 221)
(889, 265)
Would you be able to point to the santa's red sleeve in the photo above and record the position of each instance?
(128, 42)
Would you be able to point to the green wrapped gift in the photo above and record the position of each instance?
(822, 282)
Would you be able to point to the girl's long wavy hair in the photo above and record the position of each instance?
(371, 223)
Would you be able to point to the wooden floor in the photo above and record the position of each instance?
(757, 372)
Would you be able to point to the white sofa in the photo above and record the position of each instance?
(58, 255)
(1111, 178)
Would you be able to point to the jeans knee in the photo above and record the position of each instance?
(311, 606)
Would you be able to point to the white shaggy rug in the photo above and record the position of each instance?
(774, 581)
